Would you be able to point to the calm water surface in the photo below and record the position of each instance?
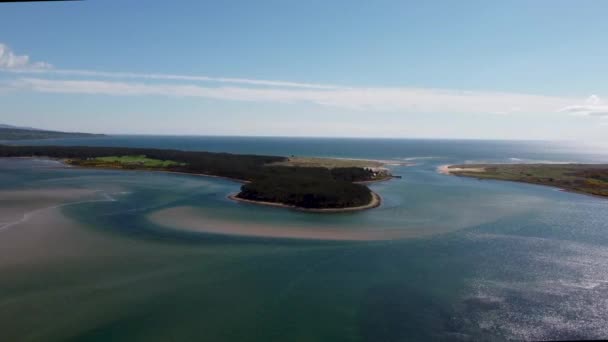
(486, 260)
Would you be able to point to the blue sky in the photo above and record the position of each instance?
(454, 69)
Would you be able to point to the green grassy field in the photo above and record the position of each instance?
(584, 178)
(138, 161)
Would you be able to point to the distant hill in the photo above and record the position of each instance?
(8, 132)
(18, 127)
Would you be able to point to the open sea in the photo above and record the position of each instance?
(99, 255)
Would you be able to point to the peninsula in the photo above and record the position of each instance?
(8, 132)
(591, 179)
(315, 184)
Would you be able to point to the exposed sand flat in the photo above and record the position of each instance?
(53, 194)
(59, 278)
(448, 169)
(48, 236)
(15, 205)
(194, 220)
(44, 236)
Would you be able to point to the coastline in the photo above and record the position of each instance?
(384, 179)
(446, 170)
(374, 203)
(68, 165)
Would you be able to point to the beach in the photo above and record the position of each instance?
(448, 169)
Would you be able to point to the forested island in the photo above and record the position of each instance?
(589, 179)
(267, 179)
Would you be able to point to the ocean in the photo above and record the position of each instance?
(127, 255)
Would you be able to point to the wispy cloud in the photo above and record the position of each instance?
(41, 77)
(9, 60)
(12, 62)
(376, 99)
(593, 106)
(172, 77)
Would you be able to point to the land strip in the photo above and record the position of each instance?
(591, 179)
(303, 186)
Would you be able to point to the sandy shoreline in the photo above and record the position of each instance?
(448, 169)
(384, 162)
(374, 203)
(385, 179)
(312, 161)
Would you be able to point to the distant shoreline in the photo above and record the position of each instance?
(481, 172)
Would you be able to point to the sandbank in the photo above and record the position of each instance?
(192, 219)
(449, 169)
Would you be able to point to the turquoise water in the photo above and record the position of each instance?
(482, 259)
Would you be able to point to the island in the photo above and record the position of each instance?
(310, 184)
(591, 179)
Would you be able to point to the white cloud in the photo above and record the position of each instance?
(593, 106)
(244, 89)
(11, 61)
(374, 99)
(194, 78)
(172, 77)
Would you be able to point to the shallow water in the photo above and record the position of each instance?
(476, 259)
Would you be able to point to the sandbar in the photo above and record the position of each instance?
(449, 169)
(192, 219)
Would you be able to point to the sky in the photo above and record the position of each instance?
(391, 69)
